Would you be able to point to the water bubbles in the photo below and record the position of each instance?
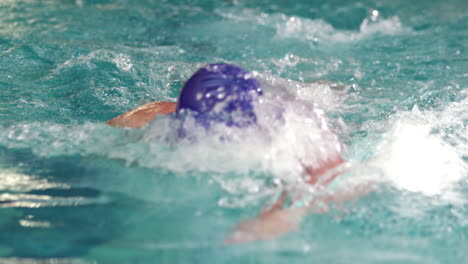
(213, 67)
(389, 26)
(123, 62)
(355, 87)
(318, 30)
(289, 60)
(374, 15)
(358, 74)
(116, 96)
(221, 96)
(415, 159)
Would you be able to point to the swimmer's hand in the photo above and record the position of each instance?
(267, 225)
(277, 221)
(142, 115)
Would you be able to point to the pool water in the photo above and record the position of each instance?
(391, 76)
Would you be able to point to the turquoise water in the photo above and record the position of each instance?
(73, 189)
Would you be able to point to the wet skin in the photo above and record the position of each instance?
(143, 114)
(272, 221)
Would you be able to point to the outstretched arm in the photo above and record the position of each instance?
(274, 223)
(142, 115)
(277, 220)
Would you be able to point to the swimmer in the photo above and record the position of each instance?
(226, 93)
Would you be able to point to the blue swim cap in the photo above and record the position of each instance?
(220, 92)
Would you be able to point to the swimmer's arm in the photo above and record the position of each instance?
(268, 225)
(325, 174)
(142, 115)
(278, 205)
(274, 223)
(313, 177)
(276, 220)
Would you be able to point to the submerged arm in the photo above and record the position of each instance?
(277, 220)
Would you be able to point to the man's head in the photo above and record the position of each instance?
(222, 93)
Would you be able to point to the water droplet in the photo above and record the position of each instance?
(374, 14)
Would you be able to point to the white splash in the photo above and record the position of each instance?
(316, 30)
(290, 133)
(416, 159)
(123, 62)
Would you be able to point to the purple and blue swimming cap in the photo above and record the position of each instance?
(220, 93)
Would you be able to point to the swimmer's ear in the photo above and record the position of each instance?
(142, 115)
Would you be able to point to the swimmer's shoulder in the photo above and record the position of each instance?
(143, 114)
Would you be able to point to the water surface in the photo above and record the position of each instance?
(74, 190)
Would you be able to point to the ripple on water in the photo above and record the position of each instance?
(121, 195)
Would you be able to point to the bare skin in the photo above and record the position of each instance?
(278, 221)
(272, 221)
(142, 115)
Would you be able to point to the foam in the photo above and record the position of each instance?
(121, 61)
(317, 29)
(332, 95)
(289, 135)
(418, 155)
(292, 133)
